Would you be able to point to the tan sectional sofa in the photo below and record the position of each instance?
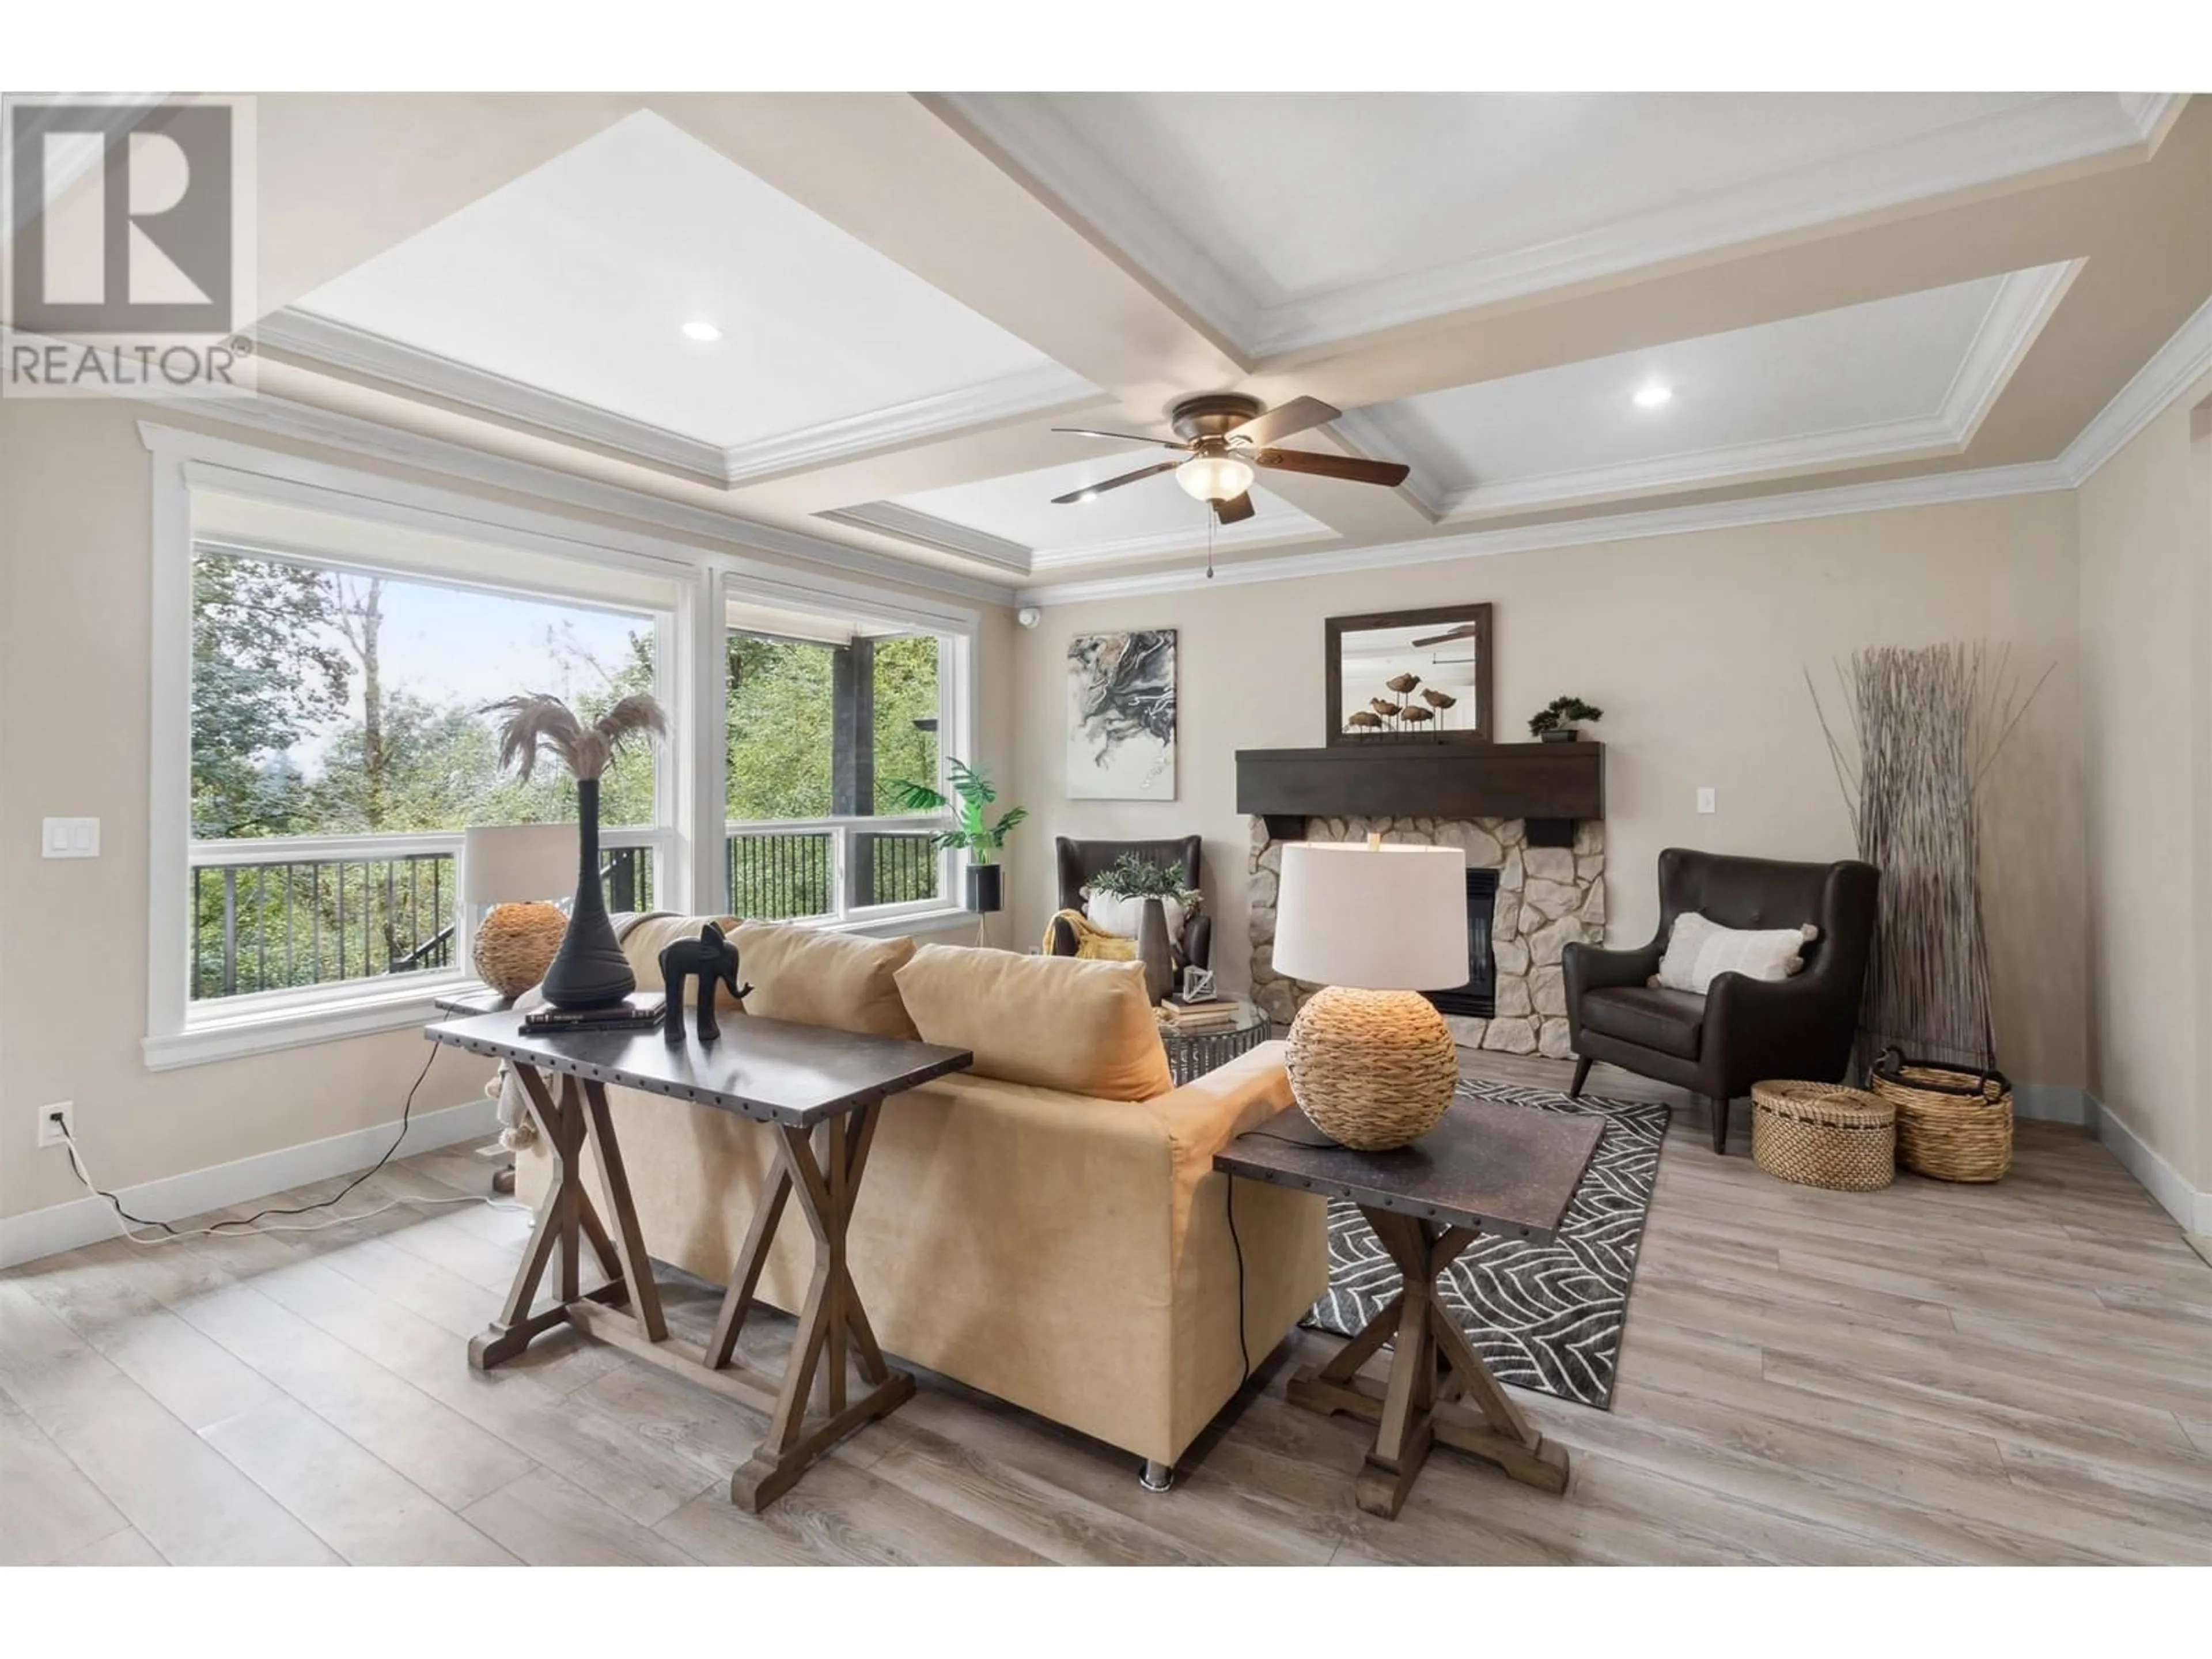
(1046, 1227)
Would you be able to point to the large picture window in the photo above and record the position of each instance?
(826, 718)
(340, 746)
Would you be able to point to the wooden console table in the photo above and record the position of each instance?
(795, 1080)
(1485, 1168)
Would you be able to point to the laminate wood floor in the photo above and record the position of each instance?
(2017, 1373)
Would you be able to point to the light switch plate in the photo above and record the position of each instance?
(71, 838)
(1707, 800)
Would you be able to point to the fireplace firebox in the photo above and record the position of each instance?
(1477, 998)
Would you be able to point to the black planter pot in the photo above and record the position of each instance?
(985, 888)
(589, 971)
(1566, 734)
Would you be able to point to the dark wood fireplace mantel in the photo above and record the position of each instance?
(1550, 785)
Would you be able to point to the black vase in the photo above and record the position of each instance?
(589, 971)
(984, 889)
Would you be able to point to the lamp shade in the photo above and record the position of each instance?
(514, 863)
(1374, 917)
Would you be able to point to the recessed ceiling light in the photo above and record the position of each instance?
(701, 331)
(1652, 396)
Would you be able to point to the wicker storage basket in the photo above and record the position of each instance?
(1953, 1122)
(1820, 1134)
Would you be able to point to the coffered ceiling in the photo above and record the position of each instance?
(909, 292)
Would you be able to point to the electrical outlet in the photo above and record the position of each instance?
(52, 1119)
(1706, 800)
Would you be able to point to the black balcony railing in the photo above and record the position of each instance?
(783, 875)
(292, 922)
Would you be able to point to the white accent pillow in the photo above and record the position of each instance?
(1699, 950)
(1118, 914)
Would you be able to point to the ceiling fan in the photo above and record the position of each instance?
(1225, 438)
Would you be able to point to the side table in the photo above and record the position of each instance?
(1193, 1054)
(1508, 1171)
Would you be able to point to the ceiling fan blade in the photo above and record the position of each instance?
(1465, 631)
(1089, 490)
(1355, 469)
(1236, 509)
(1125, 437)
(1299, 414)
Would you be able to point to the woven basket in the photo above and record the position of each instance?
(1372, 1069)
(515, 944)
(1818, 1134)
(1953, 1123)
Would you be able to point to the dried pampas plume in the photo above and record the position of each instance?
(537, 722)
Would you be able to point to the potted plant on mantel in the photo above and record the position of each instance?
(972, 835)
(1555, 721)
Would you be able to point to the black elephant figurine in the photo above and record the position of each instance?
(712, 960)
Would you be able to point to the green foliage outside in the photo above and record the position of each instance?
(280, 653)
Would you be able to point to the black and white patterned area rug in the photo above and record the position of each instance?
(1543, 1316)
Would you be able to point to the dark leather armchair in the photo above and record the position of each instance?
(1742, 1030)
(1079, 861)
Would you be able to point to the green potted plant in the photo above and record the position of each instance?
(972, 835)
(1153, 888)
(1555, 721)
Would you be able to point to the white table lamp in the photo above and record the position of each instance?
(513, 868)
(1372, 1062)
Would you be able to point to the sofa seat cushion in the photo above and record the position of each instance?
(838, 980)
(1065, 1023)
(1671, 1022)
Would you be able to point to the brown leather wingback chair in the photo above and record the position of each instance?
(1742, 1030)
(1079, 861)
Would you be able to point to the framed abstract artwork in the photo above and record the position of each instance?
(1121, 716)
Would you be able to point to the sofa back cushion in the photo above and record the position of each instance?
(840, 981)
(1083, 1027)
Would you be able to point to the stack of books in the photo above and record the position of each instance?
(1207, 1014)
(638, 1011)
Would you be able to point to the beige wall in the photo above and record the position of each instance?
(74, 629)
(2146, 622)
(1695, 646)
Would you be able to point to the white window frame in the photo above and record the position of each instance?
(691, 586)
(955, 629)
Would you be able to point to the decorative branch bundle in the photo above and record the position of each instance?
(1924, 725)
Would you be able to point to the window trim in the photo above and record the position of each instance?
(692, 586)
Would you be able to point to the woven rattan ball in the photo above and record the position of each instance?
(1372, 1069)
(515, 944)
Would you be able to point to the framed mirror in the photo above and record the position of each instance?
(1410, 677)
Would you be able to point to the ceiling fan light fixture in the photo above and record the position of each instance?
(1215, 477)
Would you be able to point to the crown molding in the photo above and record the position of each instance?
(2183, 360)
(321, 340)
(2022, 303)
(1131, 549)
(890, 519)
(2034, 478)
(317, 339)
(1238, 304)
(354, 435)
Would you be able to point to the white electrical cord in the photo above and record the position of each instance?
(234, 1231)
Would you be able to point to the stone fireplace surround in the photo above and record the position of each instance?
(1548, 897)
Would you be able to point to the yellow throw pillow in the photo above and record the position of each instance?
(1058, 1021)
(840, 981)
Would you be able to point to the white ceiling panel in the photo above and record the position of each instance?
(1894, 377)
(563, 296)
(1290, 219)
(1137, 521)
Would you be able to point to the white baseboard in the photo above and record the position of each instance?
(2055, 1102)
(87, 1220)
(2191, 1208)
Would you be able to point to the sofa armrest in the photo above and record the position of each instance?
(1206, 1114)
